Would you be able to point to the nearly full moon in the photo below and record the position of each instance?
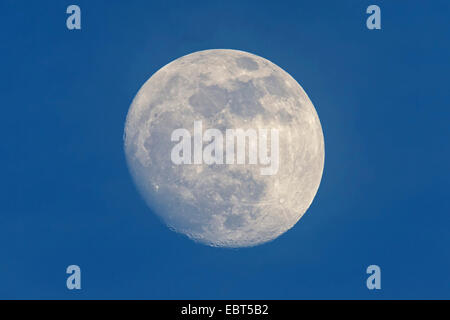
(226, 202)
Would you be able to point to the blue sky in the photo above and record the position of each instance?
(67, 197)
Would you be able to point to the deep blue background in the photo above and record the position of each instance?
(66, 195)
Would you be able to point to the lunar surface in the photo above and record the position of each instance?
(225, 205)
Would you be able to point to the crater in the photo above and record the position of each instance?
(209, 100)
(275, 85)
(244, 99)
(247, 63)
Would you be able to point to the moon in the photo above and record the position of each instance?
(224, 205)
